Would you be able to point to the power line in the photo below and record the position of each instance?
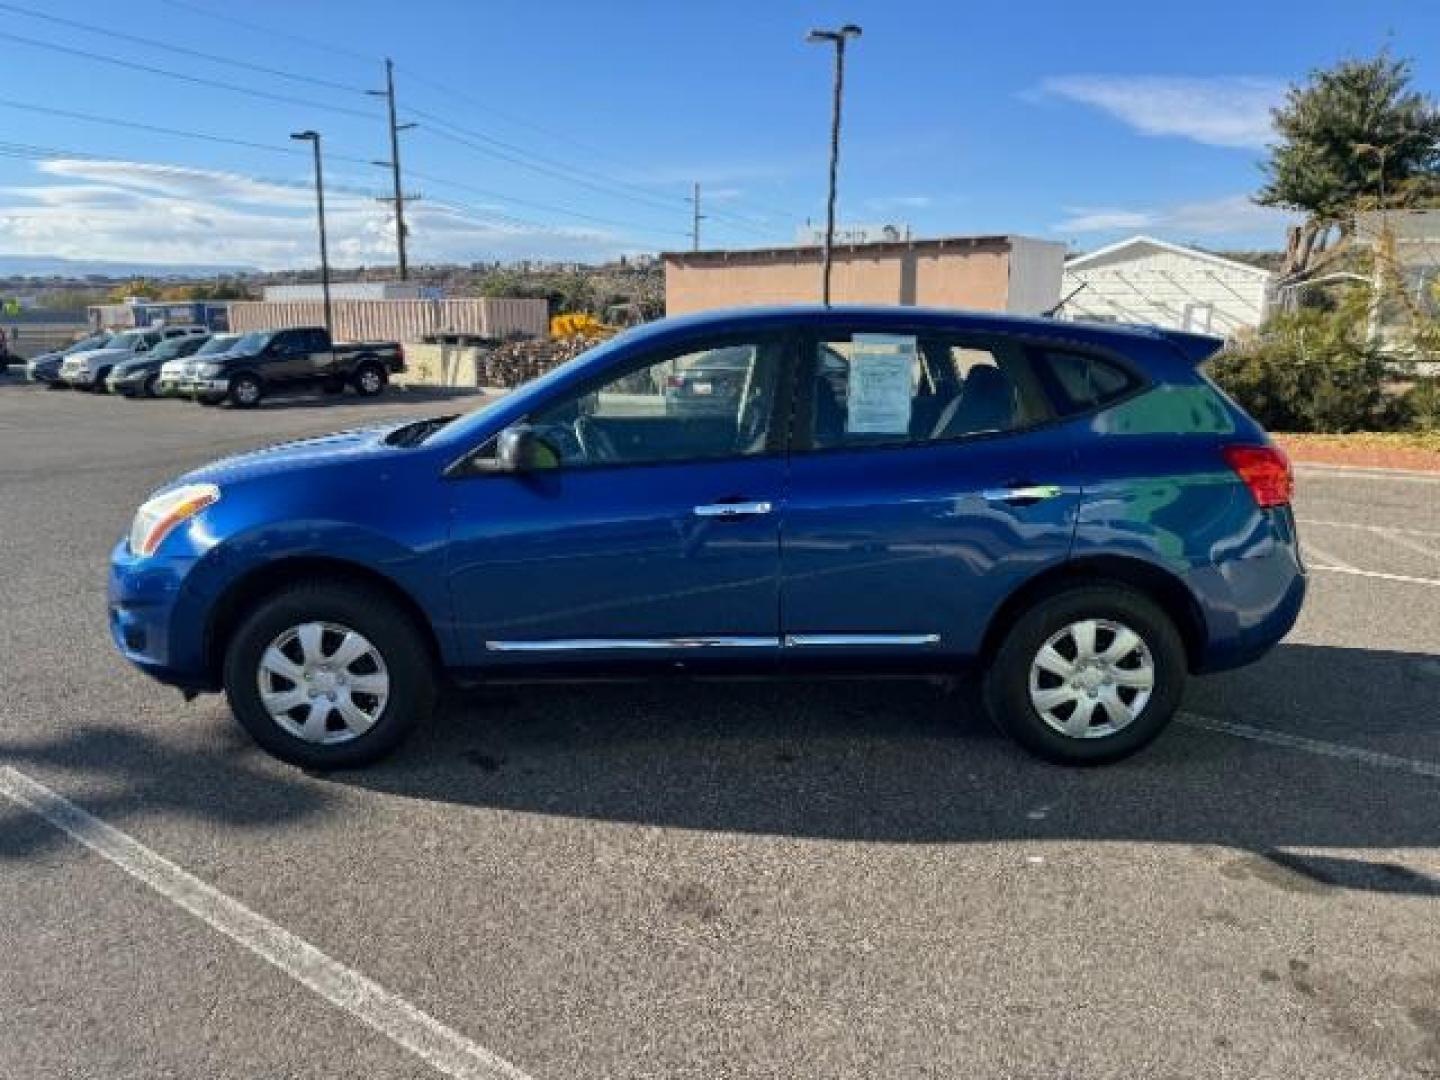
(85, 54)
(156, 129)
(271, 32)
(545, 207)
(171, 47)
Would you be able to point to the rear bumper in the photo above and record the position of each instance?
(1250, 603)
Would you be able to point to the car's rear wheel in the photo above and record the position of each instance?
(369, 379)
(1087, 675)
(245, 391)
(329, 676)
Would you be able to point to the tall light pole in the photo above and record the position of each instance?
(838, 39)
(313, 138)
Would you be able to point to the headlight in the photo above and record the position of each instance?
(207, 369)
(159, 516)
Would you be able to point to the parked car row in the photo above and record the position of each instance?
(190, 361)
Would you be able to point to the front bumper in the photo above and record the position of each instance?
(126, 384)
(147, 618)
(84, 377)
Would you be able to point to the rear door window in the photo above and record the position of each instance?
(873, 389)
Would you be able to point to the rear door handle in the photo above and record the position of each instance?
(1023, 494)
(733, 509)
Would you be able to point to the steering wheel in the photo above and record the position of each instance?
(595, 445)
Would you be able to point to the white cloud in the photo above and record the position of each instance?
(141, 212)
(1233, 215)
(1231, 111)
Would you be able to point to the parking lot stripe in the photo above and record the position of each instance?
(1359, 472)
(1374, 758)
(1384, 530)
(444, 1049)
(1407, 579)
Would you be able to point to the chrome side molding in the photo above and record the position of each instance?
(790, 641)
(803, 641)
(602, 644)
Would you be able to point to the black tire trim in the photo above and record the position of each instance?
(1006, 680)
(389, 628)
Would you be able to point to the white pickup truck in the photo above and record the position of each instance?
(88, 370)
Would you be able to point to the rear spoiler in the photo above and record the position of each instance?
(1195, 348)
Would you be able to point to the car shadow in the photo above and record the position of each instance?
(900, 762)
(140, 776)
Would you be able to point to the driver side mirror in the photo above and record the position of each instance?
(520, 449)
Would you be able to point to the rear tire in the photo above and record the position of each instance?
(369, 379)
(1079, 706)
(245, 391)
(358, 726)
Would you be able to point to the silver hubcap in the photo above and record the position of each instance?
(247, 391)
(370, 381)
(323, 682)
(1092, 679)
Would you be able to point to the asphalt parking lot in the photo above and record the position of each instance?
(707, 880)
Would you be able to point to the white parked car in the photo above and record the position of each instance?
(175, 375)
(88, 370)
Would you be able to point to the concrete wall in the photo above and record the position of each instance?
(964, 272)
(400, 320)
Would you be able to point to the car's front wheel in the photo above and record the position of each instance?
(329, 675)
(1088, 675)
(245, 391)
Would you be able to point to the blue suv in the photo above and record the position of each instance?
(1071, 512)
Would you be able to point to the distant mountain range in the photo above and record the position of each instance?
(58, 266)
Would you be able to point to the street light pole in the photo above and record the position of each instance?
(838, 39)
(313, 137)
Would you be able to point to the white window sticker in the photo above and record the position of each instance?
(880, 384)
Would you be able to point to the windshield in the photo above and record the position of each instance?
(168, 350)
(95, 341)
(128, 340)
(253, 342)
(218, 344)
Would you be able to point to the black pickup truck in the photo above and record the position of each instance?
(277, 361)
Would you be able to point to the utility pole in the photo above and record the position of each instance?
(313, 138)
(399, 198)
(695, 217)
(838, 39)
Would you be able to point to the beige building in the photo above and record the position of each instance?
(988, 273)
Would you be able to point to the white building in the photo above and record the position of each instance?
(1154, 282)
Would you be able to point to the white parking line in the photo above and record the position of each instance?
(1384, 530)
(441, 1047)
(1406, 579)
(1358, 472)
(1374, 758)
(1326, 558)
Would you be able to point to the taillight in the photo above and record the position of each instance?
(1265, 471)
(675, 382)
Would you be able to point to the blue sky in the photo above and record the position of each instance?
(552, 129)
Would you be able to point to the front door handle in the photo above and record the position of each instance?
(1022, 495)
(733, 509)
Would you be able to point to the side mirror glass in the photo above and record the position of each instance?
(520, 449)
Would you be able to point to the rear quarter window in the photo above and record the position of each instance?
(1079, 383)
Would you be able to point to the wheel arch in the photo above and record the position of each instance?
(247, 591)
(1158, 584)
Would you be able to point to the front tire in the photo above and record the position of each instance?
(245, 391)
(329, 675)
(1088, 675)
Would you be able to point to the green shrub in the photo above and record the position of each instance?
(1418, 409)
(1309, 370)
